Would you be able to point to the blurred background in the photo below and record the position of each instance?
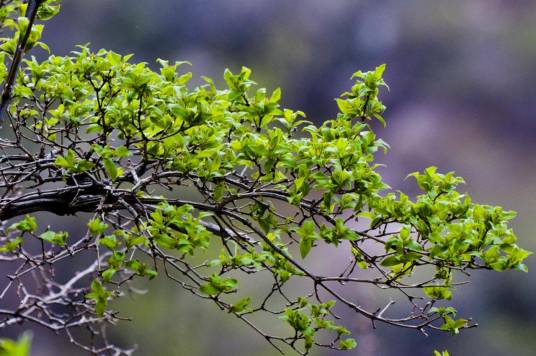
(462, 97)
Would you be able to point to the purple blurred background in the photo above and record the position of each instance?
(462, 97)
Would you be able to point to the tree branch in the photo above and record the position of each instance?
(33, 6)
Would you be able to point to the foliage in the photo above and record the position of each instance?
(20, 347)
(94, 132)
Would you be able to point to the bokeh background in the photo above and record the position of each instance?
(462, 97)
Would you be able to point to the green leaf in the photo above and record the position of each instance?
(276, 96)
(100, 296)
(111, 169)
(241, 305)
(209, 289)
(391, 261)
(307, 235)
(72, 163)
(348, 344)
(305, 246)
(96, 227)
(11, 245)
(27, 224)
(453, 325)
(47, 11)
(438, 293)
(21, 347)
(108, 274)
(109, 241)
(442, 353)
(217, 285)
(56, 238)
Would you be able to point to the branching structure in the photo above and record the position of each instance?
(121, 146)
